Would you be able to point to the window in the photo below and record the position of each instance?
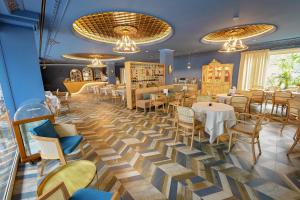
(8, 149)
(283, 70)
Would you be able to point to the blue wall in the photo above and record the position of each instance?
(22, 79)
(200, 59)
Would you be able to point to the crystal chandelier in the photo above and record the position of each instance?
(233, 45)
(96, 63)
(125, 45)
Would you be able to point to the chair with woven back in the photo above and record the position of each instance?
(177, 101)
(186, 120)
(157, 100)
(204, 99)
(239, 103)
(257, 97)
(248, 126)
(280, 98)
(293, 113)
(296, 139)
(60, 192)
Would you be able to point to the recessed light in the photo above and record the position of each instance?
(147, 51)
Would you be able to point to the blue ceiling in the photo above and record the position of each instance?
(191, 20)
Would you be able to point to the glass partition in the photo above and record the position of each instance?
(8, 148)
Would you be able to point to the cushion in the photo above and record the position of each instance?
(69, 143)
(89, 194)
(46, 129)
(146, 96)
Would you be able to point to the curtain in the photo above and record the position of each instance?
(252, 70)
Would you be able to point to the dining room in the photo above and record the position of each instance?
(140, 100)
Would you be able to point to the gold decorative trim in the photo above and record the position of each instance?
(103, 27)
(239, 32)
(91, 56)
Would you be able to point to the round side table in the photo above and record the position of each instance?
(75, 175)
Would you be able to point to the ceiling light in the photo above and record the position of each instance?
(96, 63)
(125, 44)
(233, 45)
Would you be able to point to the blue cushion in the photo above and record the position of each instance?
(146, 96)
(69, 143)
(46, 129)
(91, 194)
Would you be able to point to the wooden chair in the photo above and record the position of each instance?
(280, 98)
(293, 113)
(157, 100)
(115, 96)
(296, 139)
(56, 141)
(204, 98)
(60, 192)
(239, 103)
(178, 100)
(248, 126)
(186, 120)
(64, 98)
(257, 97)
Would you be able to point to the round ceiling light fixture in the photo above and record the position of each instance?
(233, 37)
(125, 29)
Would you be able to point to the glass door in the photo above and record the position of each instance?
(8, 149)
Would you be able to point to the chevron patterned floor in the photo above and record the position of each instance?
(135, 154)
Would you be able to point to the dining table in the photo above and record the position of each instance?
(214, 117)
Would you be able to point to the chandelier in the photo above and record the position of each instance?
(96, 63)
(233, 45)
(125, 44)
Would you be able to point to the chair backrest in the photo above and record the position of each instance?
(239, 103)
(257, 121)
(294, 108)
(58, 192)
(185, 114)
(204, 98)
(257, 95)
(282, 96)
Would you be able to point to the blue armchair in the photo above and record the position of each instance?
(56, 141)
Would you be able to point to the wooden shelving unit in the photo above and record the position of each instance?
(142, 75)
(216, 78)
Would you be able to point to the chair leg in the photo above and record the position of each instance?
(199, 135)
(292, 147)
(42, 167)
(272, 109)
(192, 140)
(253, 151)
(81, 149)
(259, 148)
(230, 141)
(176, 135)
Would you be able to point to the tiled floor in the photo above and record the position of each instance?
(136, 155)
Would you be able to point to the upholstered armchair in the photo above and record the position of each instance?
(56, 141)
(60, 192)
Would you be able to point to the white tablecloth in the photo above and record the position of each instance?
(214, 117)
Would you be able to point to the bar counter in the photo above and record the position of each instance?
(81, 86)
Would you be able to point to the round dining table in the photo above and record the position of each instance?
(214, 117)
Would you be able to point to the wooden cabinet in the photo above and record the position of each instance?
(216, 78)
(142, 75)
